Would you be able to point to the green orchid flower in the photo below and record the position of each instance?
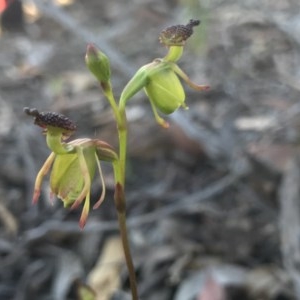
(160, 79)
(73, 163)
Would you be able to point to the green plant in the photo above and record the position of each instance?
(74, 163)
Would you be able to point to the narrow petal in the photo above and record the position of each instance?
(102, 196)
(85, 211)
(40, 176)
(159, 119)
(188, 81)
(87, 181)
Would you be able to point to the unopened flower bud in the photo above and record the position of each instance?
(98, 63)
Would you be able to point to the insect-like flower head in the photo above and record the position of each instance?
(160, 79)
(73, 164)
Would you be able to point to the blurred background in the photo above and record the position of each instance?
(213, 202)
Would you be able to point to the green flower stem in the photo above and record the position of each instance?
(122, 130)
(119, 173)
(121, 120)
(174, 53)
(107, 90)
(53, 139)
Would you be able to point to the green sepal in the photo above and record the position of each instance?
(67, 180)
(104, 151)
(165, 91)
(136, 83)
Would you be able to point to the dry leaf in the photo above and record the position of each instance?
(104, 279)
(212, 290)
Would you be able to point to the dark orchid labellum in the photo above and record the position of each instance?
(177, 35)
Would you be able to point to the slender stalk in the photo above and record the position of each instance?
(120, 203)
(107, 90)
(119, 173)
(127, 253)
(121, 120)
(122, 130)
